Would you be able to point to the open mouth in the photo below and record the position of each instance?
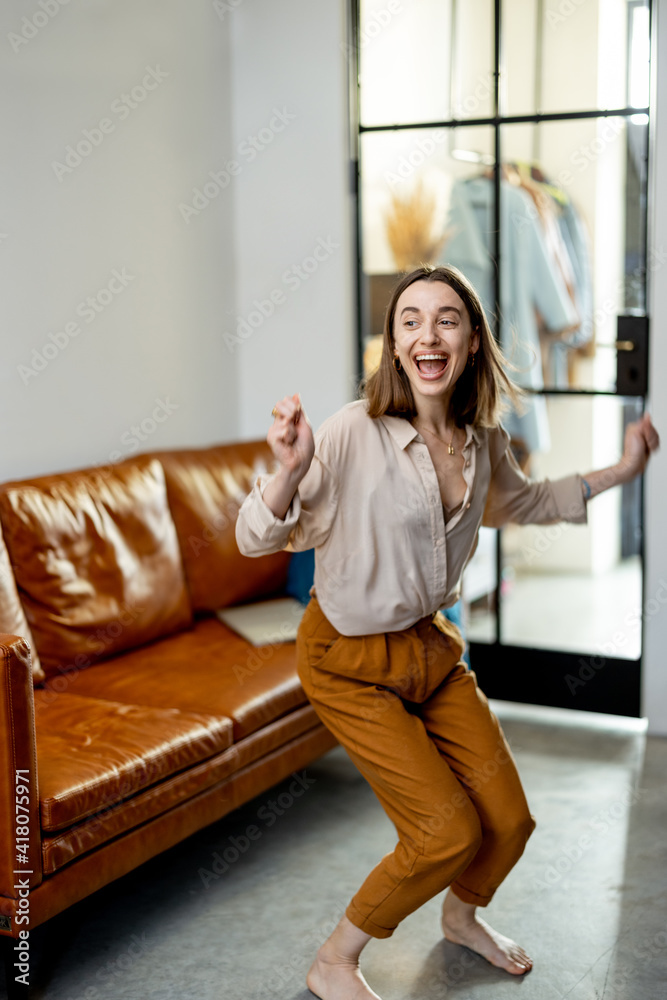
(431, 365)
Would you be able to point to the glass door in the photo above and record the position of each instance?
(511, 139)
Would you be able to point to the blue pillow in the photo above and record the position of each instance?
(300, 575)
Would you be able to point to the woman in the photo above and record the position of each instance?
(391, 496)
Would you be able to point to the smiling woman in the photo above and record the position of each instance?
(391, 494)
(435, 310)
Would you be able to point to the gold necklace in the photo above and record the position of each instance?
(450, 448)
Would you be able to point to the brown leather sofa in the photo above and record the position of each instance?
(130, 716)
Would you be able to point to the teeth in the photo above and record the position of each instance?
(430, 357)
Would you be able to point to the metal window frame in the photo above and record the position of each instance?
(618, 672)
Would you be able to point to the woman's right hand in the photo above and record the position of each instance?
(291, 437)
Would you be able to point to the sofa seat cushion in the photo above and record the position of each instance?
(206, 487)
(94, 753)
(96, 560)
(63, 846)
(207, 669)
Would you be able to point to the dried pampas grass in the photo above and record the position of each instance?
(409, 223)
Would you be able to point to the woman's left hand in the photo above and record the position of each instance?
(641, 438)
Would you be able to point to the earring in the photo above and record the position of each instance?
(471, 359)
(396, 361)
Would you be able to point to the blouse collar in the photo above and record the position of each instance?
(404, 433)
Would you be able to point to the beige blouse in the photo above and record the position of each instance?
(370, 505)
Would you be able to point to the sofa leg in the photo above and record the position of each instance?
(15, 990)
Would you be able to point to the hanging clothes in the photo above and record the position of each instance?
(575, 238)
(539, 280)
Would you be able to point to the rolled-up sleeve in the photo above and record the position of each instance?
(513, 497)
(308, 520)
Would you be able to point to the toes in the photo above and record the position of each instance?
(522, 964)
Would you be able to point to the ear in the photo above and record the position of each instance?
(474, 340)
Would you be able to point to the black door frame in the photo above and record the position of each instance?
(516, 673)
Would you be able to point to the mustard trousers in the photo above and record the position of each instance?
(415, 724)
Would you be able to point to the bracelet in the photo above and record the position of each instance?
(587, 487)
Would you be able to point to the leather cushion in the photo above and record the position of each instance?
(12, 616)
(96, 561)
(206, 487)
(209, 669)
(62, 847)
(92, 754)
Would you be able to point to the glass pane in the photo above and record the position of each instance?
(427, 60)
(411, 182)
(574, 56)
(569, 586)
(573, 211)
(573, 197)
(479, 590)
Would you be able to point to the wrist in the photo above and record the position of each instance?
(289, 478)
(625, 470)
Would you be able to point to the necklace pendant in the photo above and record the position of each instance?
(450, 450)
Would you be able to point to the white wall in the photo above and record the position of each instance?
(292, 205)
(655, 601)
(66, 230)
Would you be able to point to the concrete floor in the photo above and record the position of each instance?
(588, 900)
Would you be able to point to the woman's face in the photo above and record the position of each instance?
(432, 337)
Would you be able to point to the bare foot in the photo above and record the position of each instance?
(333, 978)
(461, 925)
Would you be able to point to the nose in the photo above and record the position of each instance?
(430, 332)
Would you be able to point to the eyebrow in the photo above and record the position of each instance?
(442, 309)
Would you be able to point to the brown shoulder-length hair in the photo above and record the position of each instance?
(482, 390)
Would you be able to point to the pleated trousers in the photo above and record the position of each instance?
(414, 722)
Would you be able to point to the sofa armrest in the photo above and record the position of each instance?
(19, 799)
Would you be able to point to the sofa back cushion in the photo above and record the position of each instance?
(96, 560)
(12, 616)
(206, 487)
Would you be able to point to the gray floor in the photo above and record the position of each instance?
(588, 900)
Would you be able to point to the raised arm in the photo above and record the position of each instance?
(296, 506)
(641, 438)
(291, 441)
(514, 497)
